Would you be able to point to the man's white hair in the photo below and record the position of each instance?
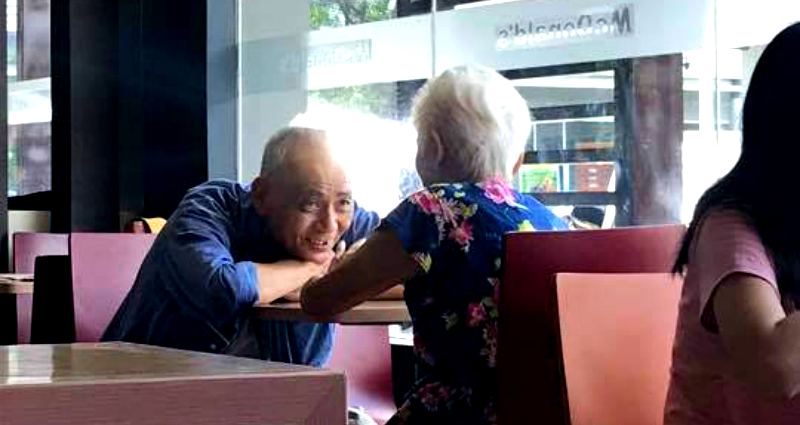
(479, 118)
(280, 143)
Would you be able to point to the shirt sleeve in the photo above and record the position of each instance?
(726, 244)
(199, 266)
(415, 223)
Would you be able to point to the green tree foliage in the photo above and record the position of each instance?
(337, 13)
(374, 99)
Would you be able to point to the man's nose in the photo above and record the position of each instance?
(327, 219)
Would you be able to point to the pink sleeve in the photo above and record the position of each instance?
(726, 244)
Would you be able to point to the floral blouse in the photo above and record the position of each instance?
(454, 232)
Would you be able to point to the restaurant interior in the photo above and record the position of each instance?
(115, 109)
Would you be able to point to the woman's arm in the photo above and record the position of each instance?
(377, 266)
(761, 340)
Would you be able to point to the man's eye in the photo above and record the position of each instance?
(346, 204)
(309, 206)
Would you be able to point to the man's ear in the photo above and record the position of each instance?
(518, 164)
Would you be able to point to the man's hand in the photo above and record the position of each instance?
(343, 252)
(283, 279)
(293, 296)
(364, 275)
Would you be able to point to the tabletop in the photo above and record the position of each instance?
(119, 361)
(16, 283)
(366, 313)
(101, 383)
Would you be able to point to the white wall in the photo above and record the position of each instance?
(25, 221)
(659, 27)
(276, 75)
(750, 23)
(273, 39)
(401, 48)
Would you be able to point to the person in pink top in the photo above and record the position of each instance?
(736, 358)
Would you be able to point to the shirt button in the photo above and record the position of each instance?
(213, 347)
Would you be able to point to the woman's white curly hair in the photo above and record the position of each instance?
(479, 119)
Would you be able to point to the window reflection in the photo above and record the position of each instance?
(339, 13)
(569, 177)
(625, 124)
(29, 97)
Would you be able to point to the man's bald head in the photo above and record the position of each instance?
(287, 141)
(304, 193)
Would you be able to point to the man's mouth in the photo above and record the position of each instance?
(319, 244)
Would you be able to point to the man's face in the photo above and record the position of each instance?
(308, 202)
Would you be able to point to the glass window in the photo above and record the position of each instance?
(29, 99)
(623, 106)
(339, 13)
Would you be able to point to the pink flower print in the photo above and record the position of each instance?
(448, 210)
(496, 295)
(476, 314)
(499, 191)
(429, 395)
(445, 392)
(462, 235)
(427, 202)
(490, 413)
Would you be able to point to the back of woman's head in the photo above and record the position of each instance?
(471, 123)
(769, 129)
(757, 186)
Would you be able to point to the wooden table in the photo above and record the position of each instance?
(367, 313)
(16, 283)
(12, 285)
(108, 383)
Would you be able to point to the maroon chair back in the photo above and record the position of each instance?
(104, 268)
(363, 353)
(26, 246)
(529, 360)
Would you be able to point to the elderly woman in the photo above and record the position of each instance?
(445, 243)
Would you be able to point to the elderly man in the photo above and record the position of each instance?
(228, 246)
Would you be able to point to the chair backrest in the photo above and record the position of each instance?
(616, 341)
(26, 246)
(529, 362)
(52, 318)
(363, 353)
(104, 268)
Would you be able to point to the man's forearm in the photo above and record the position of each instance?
(393, 293)
(278, 279)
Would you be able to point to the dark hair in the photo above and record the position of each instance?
(760, 184)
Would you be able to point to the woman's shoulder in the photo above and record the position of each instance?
(727, 233)
(728, 223)
(486, 195)
(495, 190)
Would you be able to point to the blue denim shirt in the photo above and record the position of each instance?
(199, 279)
